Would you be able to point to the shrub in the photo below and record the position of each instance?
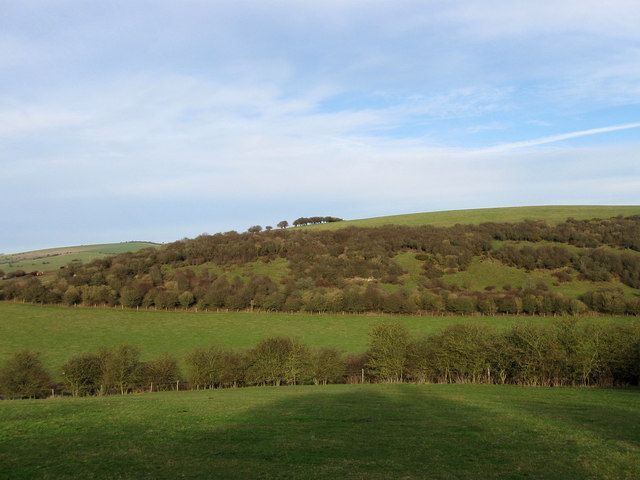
(24, 376)
(278, 360)
(83, 374)
(161, 373)
(328, 366)
(121, 368)
(387, 354)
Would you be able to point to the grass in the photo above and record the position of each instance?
(337, 431)
(276, 269)
(58, 332)
(490, 272)
(553, 214)
(53, 258)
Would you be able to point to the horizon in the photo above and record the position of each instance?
(164, 121)
(273, 224)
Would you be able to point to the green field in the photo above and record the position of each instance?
(337, 431)
(552, 214)
(58, 332)
(490, 272)
(53, 258)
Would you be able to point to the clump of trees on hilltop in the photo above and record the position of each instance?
(356, 270)
(314, 220)
(562, 353)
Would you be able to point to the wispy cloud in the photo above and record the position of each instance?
(226, 107)
(558, 138)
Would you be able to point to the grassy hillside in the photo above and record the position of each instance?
(59, 332)
(53, 258)
(339, 431)
(552, 214)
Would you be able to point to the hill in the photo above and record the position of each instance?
(336, 431)
(552, 214)
(51, 259)
(532, 266)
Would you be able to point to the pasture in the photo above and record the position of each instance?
(58, 332)
(336, 431)
(552, 214)
(51, 259)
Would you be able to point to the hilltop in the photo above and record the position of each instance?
(552, 214)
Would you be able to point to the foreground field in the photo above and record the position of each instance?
(340, 431)
(53, 258)
(59, 332)
(550, 213)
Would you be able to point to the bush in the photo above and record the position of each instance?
(121, 368)
(161, 373)
(461, 305)
(83, 374)
(278, 360)
(387, 354)
(24, 376)
(328, 366)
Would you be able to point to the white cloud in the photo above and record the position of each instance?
(558, 138)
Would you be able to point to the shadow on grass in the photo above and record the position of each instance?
(395, 431)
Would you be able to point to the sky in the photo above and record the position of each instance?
(158, 120)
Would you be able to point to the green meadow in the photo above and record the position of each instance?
(58, 332)
(53, 258)
(552, 214)
(338, 431)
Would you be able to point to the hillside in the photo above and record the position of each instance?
(51, 259)
(534, 267)
(552, 214)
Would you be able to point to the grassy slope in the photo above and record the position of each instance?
(58, 332)
(552, 214)
(338, 431)
(53, 258)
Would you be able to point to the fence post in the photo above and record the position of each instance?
(362, 377)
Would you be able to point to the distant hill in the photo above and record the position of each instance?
(552, 214)
(53, 258)
(423, 263)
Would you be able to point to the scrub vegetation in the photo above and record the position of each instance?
(530, 267)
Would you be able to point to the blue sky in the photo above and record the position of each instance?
(157, 120)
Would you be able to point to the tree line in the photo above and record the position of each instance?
(563, 353)
(354, 270)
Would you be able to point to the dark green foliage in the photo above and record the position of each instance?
(24, 376)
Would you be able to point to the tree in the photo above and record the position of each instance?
(328, 366)
(72, 296)
(161, 373)
(121, 368)
(204, 367)
(283, 224)
(387, 354)
(186, 299)
(82, 374)
(254, 229)
(24, 376)
(277, 360)
(131, 297)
